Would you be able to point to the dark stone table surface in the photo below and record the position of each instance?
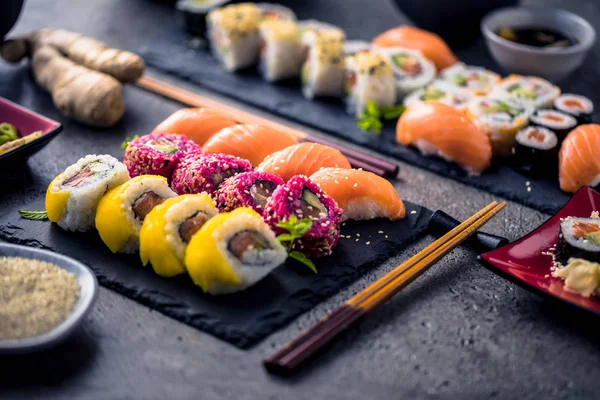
(460, 331)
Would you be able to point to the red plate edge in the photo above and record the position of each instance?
(523, 262)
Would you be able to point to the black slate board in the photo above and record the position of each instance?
(241, 319)
(174, 53)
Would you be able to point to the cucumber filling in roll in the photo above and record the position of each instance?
(311, 207)
(261, 191)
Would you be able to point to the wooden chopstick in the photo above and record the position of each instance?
(356, 158)
(291, 356)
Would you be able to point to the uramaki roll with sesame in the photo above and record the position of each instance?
(281, 53)
(323, 70)
(249, 189)
(302, 198)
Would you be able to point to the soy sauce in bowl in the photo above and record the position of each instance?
(536, 37)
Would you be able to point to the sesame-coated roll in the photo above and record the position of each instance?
(248, 189)
(205, 172)
(157, 154)
(304, 199)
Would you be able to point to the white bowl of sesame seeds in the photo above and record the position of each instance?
(45, 296)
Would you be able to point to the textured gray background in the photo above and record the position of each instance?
(458, 332)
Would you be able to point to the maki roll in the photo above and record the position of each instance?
(529, 89)
(411, 69)
(282, 53)
(351, 47)
(73, 196)
(440, 91)
(157, 154)
(248, 189)
(123, 209)
(477, 80)
(369, 77)
(536, 151)
(501, 119)
(233, 34)
(205, 172)
(169, 227)
(558, 122)
(233, 251)
(323, 70)
(578, 106)
(311, 30)
(304, 199)
(578, 238)
(195, 12)
(275, 12)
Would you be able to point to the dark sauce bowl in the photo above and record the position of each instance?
(9, 14)
(550, 63)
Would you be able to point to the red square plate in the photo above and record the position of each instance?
(524, 263)
(26, 122)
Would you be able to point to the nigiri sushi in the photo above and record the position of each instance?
(579, 158)
(430, 44)
(361, 194)
(438, 129)
(251, 142)
(302, 159)
(198, 124)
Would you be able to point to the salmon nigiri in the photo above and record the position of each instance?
(302, 159)
(579, 158)
(361, 194)
(252, 142)
(438, 129)
(198, 124)
(431, 45)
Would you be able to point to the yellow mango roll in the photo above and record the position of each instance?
(73, 196)
(233, 251)
(122, 210)
(169, 227)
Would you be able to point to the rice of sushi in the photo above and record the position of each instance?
(443, 92)
(477, 80)
(275, 12)
(578, 106)
(122, 210)
(579, 238)
(323, 70)
(529, 89)
(304, 199)
(234, 37)
(73, 196)
(248, 189)
(282, 52)
(559, 122)
(233, 251)
(369, 77)
(411, 69)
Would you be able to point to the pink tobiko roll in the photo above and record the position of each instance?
(249, 189)
(157, 154)
(302, 198)
(197, 173)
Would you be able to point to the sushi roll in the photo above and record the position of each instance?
(233, 251)
(73, 196)
(275, 12)
(558, 122)
(311, 30)
(157, 154)
(249, 189)
(361, 194)
(443, 92)
(323, 70)
(578, 238)
(536, 151)
(369, 77)
(501, 119)
(233, 34)
(282, 53)
(579, 158)
(477, 80)
(529, 89)
(304, 199)
(351, 47)
(411, 69)
(169, 227)
(197, 124)
(204, 173)
(122, 210)
(578, 106)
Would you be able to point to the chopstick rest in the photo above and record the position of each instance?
(440, 223)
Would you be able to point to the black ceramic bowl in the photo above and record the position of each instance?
(9, 13)
(456, 21)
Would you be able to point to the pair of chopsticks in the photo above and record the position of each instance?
(294, 354)
(356, 158)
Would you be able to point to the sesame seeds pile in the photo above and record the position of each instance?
(35, 297)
